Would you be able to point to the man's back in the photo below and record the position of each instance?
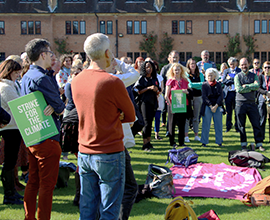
(99, 97)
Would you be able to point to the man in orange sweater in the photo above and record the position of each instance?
(100, 98)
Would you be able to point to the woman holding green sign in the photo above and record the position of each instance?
(177, 111)
(9, 71)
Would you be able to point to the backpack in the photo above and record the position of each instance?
(259, 194)
(160, 181)
(185, 156)
(247, 158)
(179, 209)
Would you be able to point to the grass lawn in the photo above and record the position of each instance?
(154, 209)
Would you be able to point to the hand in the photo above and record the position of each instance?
(214, 108)
(48, 110)
(244, 86)
(185, 91)
(228, 77)
(122, 116)
(2, 125)
(154, 88)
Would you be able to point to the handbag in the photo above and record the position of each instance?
(160, 181)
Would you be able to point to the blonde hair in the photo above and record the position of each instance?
(223, 64)
(16, 58)
(212, 70)
(184, 71)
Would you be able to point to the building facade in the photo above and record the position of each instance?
(195, 25)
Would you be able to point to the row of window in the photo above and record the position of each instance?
(136, 27)
(185, 27)
(30, 27)
(261, 26)
(75, 27)
(220, 25)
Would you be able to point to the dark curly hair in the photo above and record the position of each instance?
(143, 69)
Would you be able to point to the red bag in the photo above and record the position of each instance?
(210, 215)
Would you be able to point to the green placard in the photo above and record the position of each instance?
(179, 103)
(28, 113)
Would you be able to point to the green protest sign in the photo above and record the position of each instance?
(28, 113)
(179, 103)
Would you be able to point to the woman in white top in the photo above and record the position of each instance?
(9, 71)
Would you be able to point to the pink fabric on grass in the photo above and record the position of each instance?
(214, 180)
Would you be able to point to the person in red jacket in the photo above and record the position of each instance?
(100, 98)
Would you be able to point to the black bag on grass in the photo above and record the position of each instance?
(247, 158)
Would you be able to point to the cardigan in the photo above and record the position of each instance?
(8, 92)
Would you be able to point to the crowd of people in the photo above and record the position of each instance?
(111, 100)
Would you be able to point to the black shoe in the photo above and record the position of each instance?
(146, 147)
(220, 145)
(244, 147)
(150, 145)
(167, 134)
(12, 200)
(204, 145)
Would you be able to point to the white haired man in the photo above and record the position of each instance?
(100, 98)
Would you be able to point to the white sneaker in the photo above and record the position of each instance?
(187, 139)
(197, 138)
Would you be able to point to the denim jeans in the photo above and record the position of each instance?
(217, 117)
(251, 110)
(102, 179)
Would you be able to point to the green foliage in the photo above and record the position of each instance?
(166, 46)
(233, 46)
(61, 45)
(197, 59)
(148, 44)
(250, 43)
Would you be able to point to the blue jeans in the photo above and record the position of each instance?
(157, 120)
(102, 179)
(217, 117)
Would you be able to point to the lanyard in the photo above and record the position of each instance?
(267, 82)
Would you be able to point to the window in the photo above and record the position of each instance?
(211, 56)
(23, 27)
(174, 27)
(189, 27)
(75, 27)
(82, 27)
(109, 27)
(225, 27)
(225, 57)
(37, 27)
(102, 27)
(136, 55)
(257, 26)
(264, 26)
(263, 57)
(75, 1)
(218, 27)
(129, 27)
(68, 27)
(2, 1)
(144, 55)
(2, 27)
(2, 56)
(188, 55)
(30, 1)
(130, 54)
(182, 56)
(144, 27)
(136, 27)
(218, 57)
(30, 27)
(256, 55)
(181, 27)
(210, 27)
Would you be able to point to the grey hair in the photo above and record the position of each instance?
(95, 46)
(212, 70)
(231, 60)
(204, 51)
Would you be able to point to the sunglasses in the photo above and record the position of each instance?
(257, 63)
(267, 67)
